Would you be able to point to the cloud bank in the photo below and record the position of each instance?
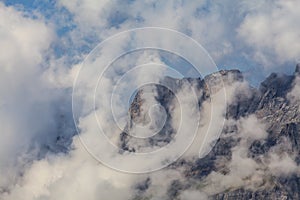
(40, 158)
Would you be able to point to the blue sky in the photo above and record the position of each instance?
(222, 28)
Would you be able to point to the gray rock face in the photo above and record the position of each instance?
(269, 103)
(283, 118)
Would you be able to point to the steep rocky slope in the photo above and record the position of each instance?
(269, 104)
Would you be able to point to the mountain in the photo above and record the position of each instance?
(270, 104)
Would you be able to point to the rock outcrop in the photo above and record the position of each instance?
(269, 103)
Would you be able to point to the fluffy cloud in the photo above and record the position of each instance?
(257, 35)
(282, 164)
(242, 170)
(193, 195)
(23, 41)
(88, 12)
(73, 176)
(31, 84)
(26, 110)
(272, 32)
(107, 18)
(247, 172)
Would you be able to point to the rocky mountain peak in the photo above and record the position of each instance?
(268, 103)
(226, 76)
(277, 85)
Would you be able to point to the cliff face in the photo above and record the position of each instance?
(269, 103)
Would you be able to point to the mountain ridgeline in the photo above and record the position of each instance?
(269, 103)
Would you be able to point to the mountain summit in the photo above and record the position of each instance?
(257, 154)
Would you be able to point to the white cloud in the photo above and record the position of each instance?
(268, 33)
(235, 33)
(73, 176)
(243, 171)
(282, 164)
(193, 195)
(23, 41)
(252, 128)
(26, 110)
(272, 32)
(88, 13)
